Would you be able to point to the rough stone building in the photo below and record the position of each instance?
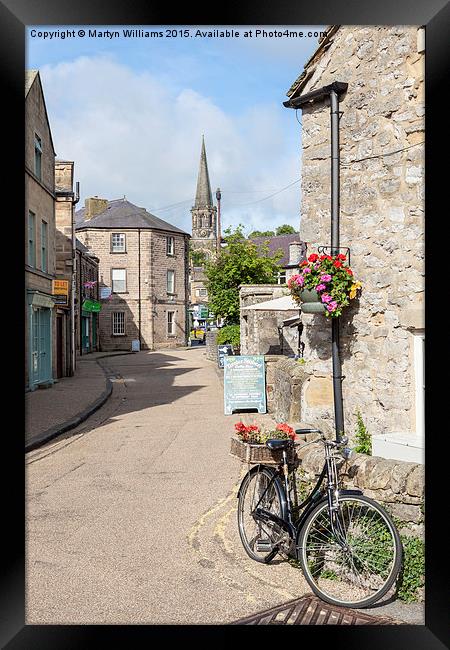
(381, 221)
(65, 267)
(40, 311)
(143, 264)
(87, 301)
(270, 321)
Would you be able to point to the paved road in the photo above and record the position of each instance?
(125, 513)
(131, 516)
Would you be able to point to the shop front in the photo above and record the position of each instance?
(89, 325)
(40, 308)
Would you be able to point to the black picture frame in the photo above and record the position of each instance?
(15, 15)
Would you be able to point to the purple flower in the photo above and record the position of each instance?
(306, 269)
(326, 297)
(300, 280)
(321, 287)
(325, 277)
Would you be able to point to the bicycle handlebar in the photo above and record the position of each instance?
(335, 443)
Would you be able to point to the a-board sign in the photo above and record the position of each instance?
(244, 384)
(222, 352)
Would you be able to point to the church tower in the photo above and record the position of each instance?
(204, 213)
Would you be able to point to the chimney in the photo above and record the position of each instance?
(295, 252)
(94, 206)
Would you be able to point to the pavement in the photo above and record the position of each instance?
(131, 516)
(49, 412)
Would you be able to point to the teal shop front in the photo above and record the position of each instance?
(90, 309)
(40, 308)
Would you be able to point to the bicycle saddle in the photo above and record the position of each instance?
(278, 444)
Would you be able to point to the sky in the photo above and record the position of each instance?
(131, 112)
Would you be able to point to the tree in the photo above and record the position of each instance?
(285, 229)
(261, 233)
(241, 262)
(197, 257)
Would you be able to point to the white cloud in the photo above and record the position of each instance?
(131, 133)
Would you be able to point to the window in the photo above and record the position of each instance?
(44, 246)
(119, 280)
(118, 242)
(118, 323)
(171, 323)
(281, 277)
(170, 246)
(31, 239)
(38, 156)
(202, 293)
(170, 281)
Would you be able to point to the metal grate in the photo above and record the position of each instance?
(310, 610)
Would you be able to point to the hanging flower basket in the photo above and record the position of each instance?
(324, 284)
(311, 302)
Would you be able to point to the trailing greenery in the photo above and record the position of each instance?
(413, 574)
(229, 334)
(240, 262)
(362, 436)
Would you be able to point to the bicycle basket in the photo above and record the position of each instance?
(253, 453)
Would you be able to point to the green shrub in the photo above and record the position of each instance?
(229, 334)
(362, 436)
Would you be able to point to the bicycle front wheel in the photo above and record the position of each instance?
(354, 560)
(259, 490)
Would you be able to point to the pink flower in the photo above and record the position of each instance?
(306, 269)
(325, 277)
(332, 305)
(321, 287)
(326, 297)
(300, 280)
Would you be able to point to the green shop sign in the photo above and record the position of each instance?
(91, 305)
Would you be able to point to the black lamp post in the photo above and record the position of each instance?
(333, 91)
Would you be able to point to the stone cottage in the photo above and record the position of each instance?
(381, 130)
(143, 269)
(40, 267)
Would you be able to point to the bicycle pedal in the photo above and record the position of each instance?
(263, 545)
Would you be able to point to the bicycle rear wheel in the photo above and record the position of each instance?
(259, 537)
(356, 562)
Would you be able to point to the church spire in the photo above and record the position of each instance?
(203, 196)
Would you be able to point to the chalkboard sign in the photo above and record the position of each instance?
(244, 384)
(222, 352)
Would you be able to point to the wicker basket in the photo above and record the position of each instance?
(249, 453)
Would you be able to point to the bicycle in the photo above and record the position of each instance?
(348, 546)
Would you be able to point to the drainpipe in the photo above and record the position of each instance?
(139, 283)
(74, 270)
(332, 91)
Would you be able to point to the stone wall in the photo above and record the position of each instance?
(397, 485)
(381, 220)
